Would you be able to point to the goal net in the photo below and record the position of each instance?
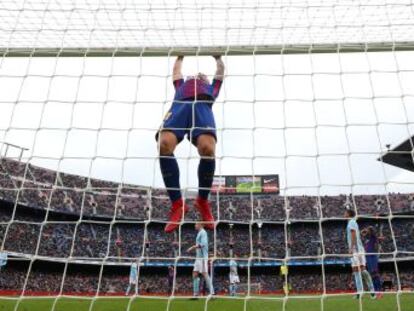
(315, 116)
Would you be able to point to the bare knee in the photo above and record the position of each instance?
(166, 148)
(206, 145)
(167, 143)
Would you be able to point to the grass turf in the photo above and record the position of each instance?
(332, 303)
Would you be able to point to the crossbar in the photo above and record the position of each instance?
(208, 50)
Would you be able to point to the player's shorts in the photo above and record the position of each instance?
(201, 266)
(234, 278)
(372, 263)
(192, 118)
(132, 280)
(358, 259)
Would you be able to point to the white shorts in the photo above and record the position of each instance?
(132, 281)
(358, 259)
(201, 266)
(234, 278)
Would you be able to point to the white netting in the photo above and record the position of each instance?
(85, 200)
(206, 23)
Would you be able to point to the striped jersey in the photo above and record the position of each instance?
(196, 89)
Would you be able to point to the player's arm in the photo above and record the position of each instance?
(202, 243)
(195, 246)
(364, 231)
(220, 68)
(218, 77)
(177, 73)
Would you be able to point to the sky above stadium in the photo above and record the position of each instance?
(320, 121)
(98, 117)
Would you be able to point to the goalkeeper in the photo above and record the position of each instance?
(190, 115)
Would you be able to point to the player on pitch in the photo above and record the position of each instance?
(133, 278)
(357, 251)
(372, 257)
(201, 261)
(190, 115)
(233, 277)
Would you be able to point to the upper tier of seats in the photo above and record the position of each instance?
(67, 193)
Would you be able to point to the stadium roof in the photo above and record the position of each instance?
(401, 156)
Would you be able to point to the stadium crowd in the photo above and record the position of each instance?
(61, 215)
(150, 282)
(46, 189)
(119, 239)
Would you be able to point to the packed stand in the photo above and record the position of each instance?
(84, 280)
(56, 191)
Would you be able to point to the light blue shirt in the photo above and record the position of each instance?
(133, 273)
(202, 244)
(3, 259)
(233, 267)
(353, 226)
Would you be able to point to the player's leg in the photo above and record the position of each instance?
(170, 285)
(356, 273)
(128, 289)
(168, 163)
(234, 279)
(357, 279)
(361, 261)
(203, 136)
(206, 146)
(196, 284)
(204, 273)
(368, 280)
(373, 269)
(208, 282)
(376, 279)
(198, 268)
(235, 285)
(233, 288)
(171, 133)
(171, 175)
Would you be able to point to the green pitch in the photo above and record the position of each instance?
(333, 303)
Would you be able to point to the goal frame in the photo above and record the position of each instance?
(209, 50)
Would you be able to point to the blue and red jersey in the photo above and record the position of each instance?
(196, 89)
(371, 245)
